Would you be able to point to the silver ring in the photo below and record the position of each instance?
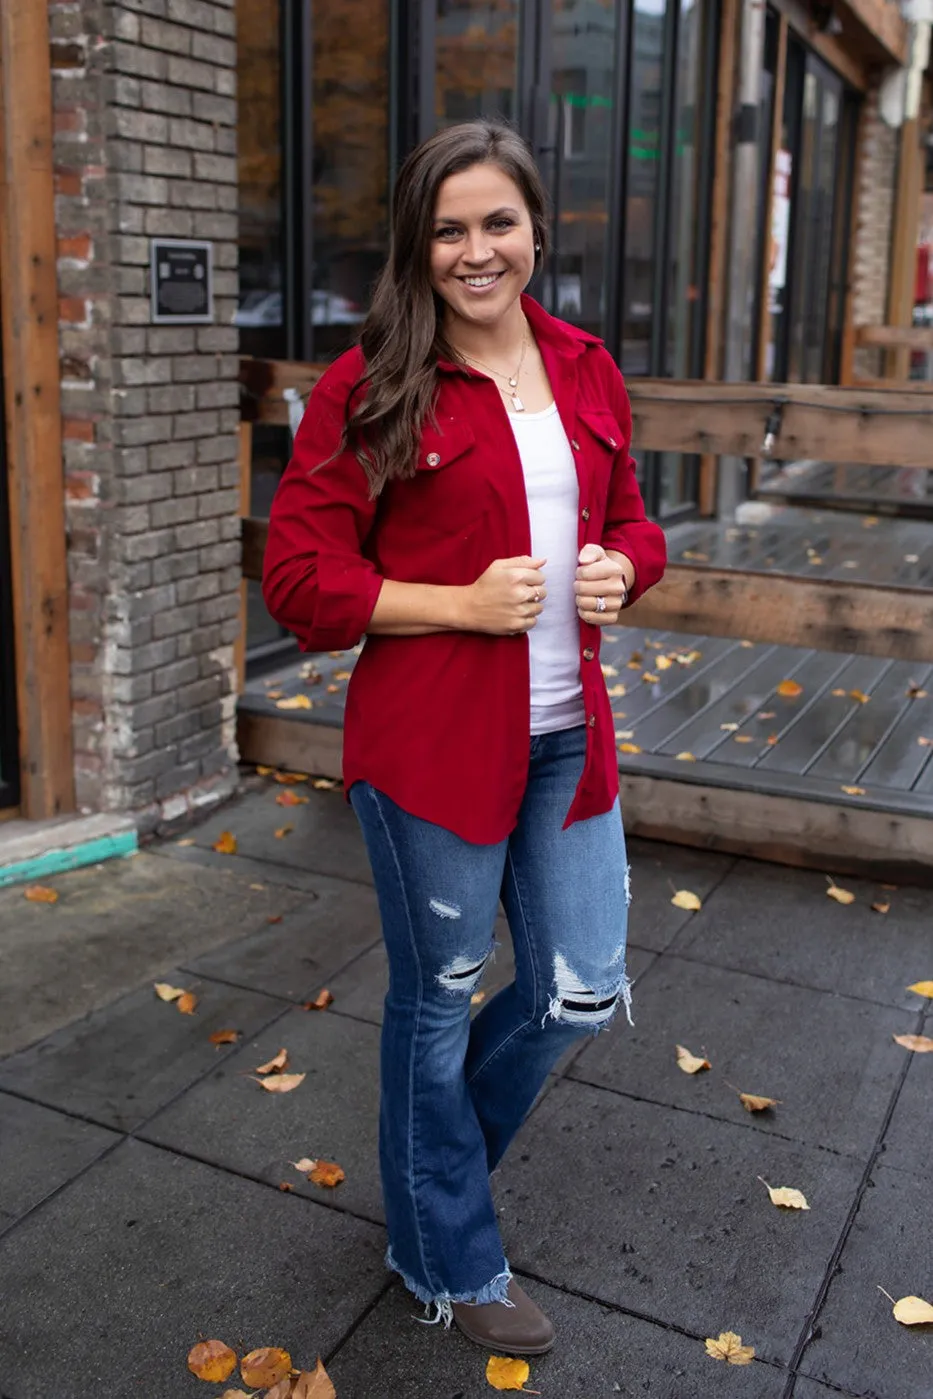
(600, 604)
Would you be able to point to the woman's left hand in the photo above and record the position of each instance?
(605, 576)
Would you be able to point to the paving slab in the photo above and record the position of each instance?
(908, 1142)
(113, 927)
(325, 836)
(662, 1212)
(830, 1060)
(298, 955)
(779, 923)
(600, 1354)
(39, 1151)
(183, 851)
(657, 872)
(859, 1345)
(120, 1064)
(229, 1120)
(162, 1252)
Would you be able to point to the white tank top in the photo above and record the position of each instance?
(553, 506)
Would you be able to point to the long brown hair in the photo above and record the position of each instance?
(402, 337)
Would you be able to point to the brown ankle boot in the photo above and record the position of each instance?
(519, 1329)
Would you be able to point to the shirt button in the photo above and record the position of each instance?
(574, 444)
(589, 653)
(592, 721)
(433, 459)
(612, 442)
(586, 513)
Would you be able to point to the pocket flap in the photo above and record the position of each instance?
(444, 443)
(603, 426)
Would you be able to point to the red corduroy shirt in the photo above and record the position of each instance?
(440, 723)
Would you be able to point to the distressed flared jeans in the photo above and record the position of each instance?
(455, 1092)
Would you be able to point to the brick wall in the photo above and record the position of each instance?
(875, 195)
(145, 143)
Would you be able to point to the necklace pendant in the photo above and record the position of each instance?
(513, 382)
(517, 404)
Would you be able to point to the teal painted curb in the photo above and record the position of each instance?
(92, 852)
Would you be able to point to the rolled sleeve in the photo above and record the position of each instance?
(317, 581)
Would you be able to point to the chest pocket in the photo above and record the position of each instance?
(602, 442)
(448, 491)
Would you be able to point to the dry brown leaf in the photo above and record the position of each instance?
(922, 988)
(274, 918)
(684, 899)
(290, 798)
(838, 694)
(915, 692)
(264, 771)
(881, 906)
(649, 677)
(325, 784)
(842, 896)
(333, 689)
(920, 1044)
(342, 674)
(273, 694)
(263, 1368)
(789, 689)
(751, 1102)
(212, 1360)
(290, 778)
(321, 1001)
(224, 1036)
(165, 992)
(237, 1394)
(314, 1384)
(280, 1083)
(285, 1185)
(771, 740)
(786, 1196)
(187, 1003)
(689, 1062)
(275, 1065)
(508, 1372)
(282, 1390)
(40, 894)
(282, 831)
(743, 738)
(853, 791)
(327, 1173)
(859, 696)
(225, 844)
(629, 748)
(728, 1346)
(294, 702)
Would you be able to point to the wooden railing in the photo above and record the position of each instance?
(791, 421)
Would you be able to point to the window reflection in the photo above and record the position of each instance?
(259, 137)
(642, 193)
(350, 125)
(477, 60)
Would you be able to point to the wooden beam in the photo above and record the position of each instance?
(883, 22)
(788, 610)
(894, 337)
(263, 381)
(819, 422)
(253, 534)
(852, 53)
(33, 411)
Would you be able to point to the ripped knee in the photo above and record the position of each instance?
(462, 974)
(576, 1003)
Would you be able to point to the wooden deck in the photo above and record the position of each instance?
(883, 490)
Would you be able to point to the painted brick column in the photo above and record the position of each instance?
(145, 118)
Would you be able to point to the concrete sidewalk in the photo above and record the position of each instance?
(140, 1165)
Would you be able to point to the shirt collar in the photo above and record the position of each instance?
(567, 340)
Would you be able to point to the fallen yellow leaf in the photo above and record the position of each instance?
(273, 694)
(264, 1368)
(225, 844)
(327, 1173)
(751, 1102)
(188, 1003)
(314, 1384)
(294, 702)
(237, 1394)
(305, 1165)
(869, 522)
(165, 992)
(853, 791)
(325, 784)
(342, 674)
(842, 896)
(282, 831)
(684, 899)
(224, 1037)
(767, 714)
(290, 798)
(689, 1062)
(728, 728)
(508, 1372)
(663, 663)
(838, 694)
(728, 1346)
(275, 1065)
(616, 691)
(911, 1311)
(920, 1044)
(915, 692)
(925, 742)
(743, 738)
(649, 678)
(789, 689)
(333, 689)
(40, 894)
(629, 748)
(881, 906)
(280, 1083)
(922, 988)
(212, 1360)
(188, 840)
(608, 670)
(477, 998)
(859, 696)
(625, 733)
(290, 778)
(264, 771)
(785, 1196)
(323, 999)
(685, 758)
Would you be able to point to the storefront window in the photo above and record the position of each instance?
(476, 60)
(259, 134)
(641, 269)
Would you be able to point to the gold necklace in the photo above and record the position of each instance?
(511, 379)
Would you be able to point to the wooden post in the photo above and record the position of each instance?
(28, 281)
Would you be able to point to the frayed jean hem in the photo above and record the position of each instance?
(442, 1303)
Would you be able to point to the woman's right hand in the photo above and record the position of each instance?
(507, 599)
